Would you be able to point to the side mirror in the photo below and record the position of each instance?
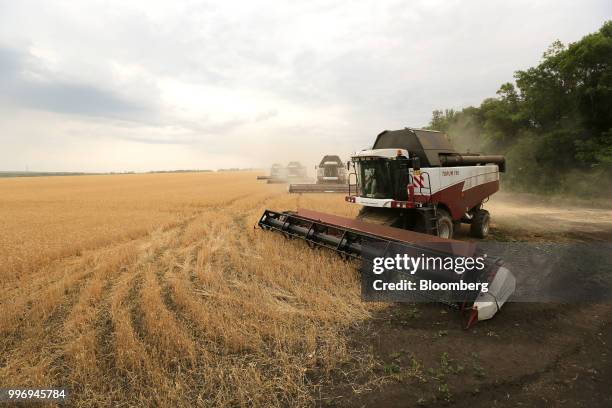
(416, 163)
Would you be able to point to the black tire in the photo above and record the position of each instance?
(446, 227)
(480, 224)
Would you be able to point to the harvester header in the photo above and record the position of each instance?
(356, 239)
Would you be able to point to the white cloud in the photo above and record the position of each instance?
(191, 84)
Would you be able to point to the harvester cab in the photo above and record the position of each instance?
(414, 179)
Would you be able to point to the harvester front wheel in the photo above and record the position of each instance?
(480, 224)
(445, 224)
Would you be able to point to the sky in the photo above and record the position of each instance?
(159, 85)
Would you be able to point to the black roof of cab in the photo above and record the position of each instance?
(331, 158)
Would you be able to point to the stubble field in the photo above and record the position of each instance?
(156, 289)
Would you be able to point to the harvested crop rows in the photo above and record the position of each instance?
(191, 304)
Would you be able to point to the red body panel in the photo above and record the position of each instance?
(459, 201)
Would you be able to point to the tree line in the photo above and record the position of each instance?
(553, 123)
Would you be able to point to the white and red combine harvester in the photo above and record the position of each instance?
(332, 177)
(414, 179)
(414, 189)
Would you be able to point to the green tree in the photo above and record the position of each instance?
(441, 120)
(555, 123)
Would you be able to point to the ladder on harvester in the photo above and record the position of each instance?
(427, 210)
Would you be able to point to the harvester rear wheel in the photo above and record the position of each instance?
(480, 224)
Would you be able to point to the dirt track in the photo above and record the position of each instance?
(531, 354)
(529, 218)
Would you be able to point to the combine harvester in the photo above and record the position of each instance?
(332, 177)
(277, 172)
(294, 172)
(414, 189)
(297, 173)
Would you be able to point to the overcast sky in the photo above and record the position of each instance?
(141, 85)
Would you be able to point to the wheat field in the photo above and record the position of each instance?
(155, 289)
